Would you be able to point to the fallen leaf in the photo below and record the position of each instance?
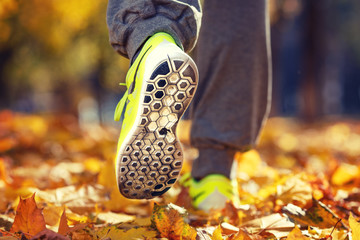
(276, 224)
(29, 218)
(64, 228)
(344, 174)
(242, 235)
(79, 199)
(318, 215)
(232, 213)
(183, 198)
(5, 234)
(52, 214)
(63, 225)
(114, 218)
(113, 232)
(107, 178)
(296, 234)
(49, 235)
(169, 221)
(295, 190)
(248, 162)
(355, 227)
(228, 229)
(217, 234)
(6, 222)
(9, 238)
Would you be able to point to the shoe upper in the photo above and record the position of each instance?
(134, 82)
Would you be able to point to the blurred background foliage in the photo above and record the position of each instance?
(55, 57)
(55, 54)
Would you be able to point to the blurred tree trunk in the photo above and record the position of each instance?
(314, 59)
(5, 55)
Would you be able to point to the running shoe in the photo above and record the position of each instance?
(211, 192)
(161, 83)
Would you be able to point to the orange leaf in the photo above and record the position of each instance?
(241, 235)
(169, 221)
(63, 225)
(296, 234)
(64, 228)
(29, 218)
(355, 227)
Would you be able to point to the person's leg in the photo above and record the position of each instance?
(131, 22)
(232, 101)
(161, 82)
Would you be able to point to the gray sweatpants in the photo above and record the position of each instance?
(233, 57)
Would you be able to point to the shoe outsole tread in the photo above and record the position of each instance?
(153, 157)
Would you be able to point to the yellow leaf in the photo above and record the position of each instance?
(296, 234)
(107, 178)
(217, 234)
(355, 227)
(248, 162)
(93, 165)
(344, 174)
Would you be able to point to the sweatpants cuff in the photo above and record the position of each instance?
(142, 32)
(212, 161)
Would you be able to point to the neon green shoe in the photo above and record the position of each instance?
(161, 84)
(211, 192)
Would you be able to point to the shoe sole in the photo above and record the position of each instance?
(151, 160)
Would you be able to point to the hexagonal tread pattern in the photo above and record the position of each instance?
(152, 160)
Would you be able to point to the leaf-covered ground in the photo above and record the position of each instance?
(57, 181)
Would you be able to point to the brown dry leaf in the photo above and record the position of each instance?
(232, 213)
(296, 234)
(318, 215)
(355, 227)
(183, 198)
(49, 235)
(29, 218)
(169, 221)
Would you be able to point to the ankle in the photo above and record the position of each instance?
(213, 161)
